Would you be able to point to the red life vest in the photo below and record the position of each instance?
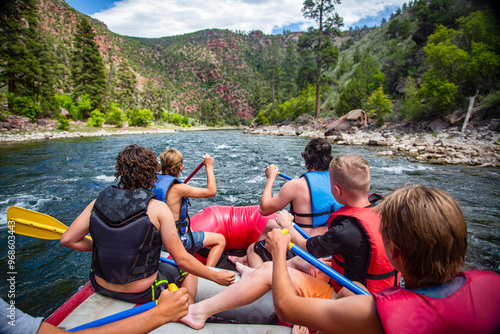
(379, 274)
(473, 308)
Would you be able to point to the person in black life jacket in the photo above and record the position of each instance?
(425, 238)
(353, 238)
(175, 193)
(309, 196)
(128, 226)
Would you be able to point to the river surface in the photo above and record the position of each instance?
(60, 177)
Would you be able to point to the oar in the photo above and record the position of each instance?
(324, 268)
(283, 175)
(35, 224)
(301, 231)
(122, 315)
(193, 173)
(39, 225)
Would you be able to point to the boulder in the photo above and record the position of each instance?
(438, 124)
(348, 122)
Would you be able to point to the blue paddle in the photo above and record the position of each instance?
(122, 315)
(324, 268)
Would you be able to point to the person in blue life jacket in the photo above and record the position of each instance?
(176, 194)
(128, 227)
(310, 198)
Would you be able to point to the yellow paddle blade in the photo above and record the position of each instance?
(34, 224)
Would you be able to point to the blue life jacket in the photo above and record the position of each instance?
(126, 245)
(161, 188)
(322, 201)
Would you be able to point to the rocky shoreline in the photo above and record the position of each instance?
(477, 146)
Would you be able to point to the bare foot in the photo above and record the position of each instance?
(194, 318)
(237, 259)
(296, 329)
(243, 270)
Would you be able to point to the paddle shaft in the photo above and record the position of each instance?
(194, 172)
(122, 315)
(324, 268)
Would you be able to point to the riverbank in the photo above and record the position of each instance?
(18, 129)
(478, 146)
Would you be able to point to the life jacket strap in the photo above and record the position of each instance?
(365, 274)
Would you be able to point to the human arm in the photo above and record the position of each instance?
(285, 220)
(171, 307)
(184, 190)
(347, 315)
(270, 204)
(174, 247)
(343, 237)
(75, 236)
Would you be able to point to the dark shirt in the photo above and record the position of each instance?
(347, 238)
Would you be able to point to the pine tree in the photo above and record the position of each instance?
(125, 85)
(20, 68)
(329, 23)
(289, 71)
(87, 68)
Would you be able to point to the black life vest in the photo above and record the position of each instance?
(127, 245)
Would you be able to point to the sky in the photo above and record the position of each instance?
(160, 18)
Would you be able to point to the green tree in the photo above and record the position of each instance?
(289, 71)
(20, 70)
(378, 105)
(125, 83)
(365, 79)
(87, 68)
(318, 40)
(410, 103)
(461, 62)
(96, 118)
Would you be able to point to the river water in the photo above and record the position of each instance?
(60, 177)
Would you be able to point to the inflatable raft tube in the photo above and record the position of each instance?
(86, 305)
(240, 226)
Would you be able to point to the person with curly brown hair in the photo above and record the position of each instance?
(128, 226)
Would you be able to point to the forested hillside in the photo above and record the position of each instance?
(429, 60)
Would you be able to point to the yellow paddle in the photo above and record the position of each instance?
(35, 224)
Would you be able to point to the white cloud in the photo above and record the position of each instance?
(158, 18)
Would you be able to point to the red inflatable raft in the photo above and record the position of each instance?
(240, 226)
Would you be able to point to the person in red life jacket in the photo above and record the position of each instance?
(353, 236)
(357, 238)
(425, 238)
(128, 226)
(309, 196)
(168, 188)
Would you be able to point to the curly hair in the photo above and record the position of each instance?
(171, 162)
(317, 155)
(136, 167)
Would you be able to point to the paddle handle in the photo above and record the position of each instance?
(283, 175)
(194, 172)
(301, 231)
(324, 268)
(122, 315)
(116, 317)
(169, 261)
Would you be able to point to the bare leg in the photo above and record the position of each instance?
(238, 259)
(217, 242)
(248, 289)
(191, 284)
(254, 260)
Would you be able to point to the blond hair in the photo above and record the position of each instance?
(171, 162)
(352, 173)
(428, 227)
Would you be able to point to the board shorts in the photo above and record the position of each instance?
(311, 287)
(198, 238)
(260, 249)
(167, 274)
